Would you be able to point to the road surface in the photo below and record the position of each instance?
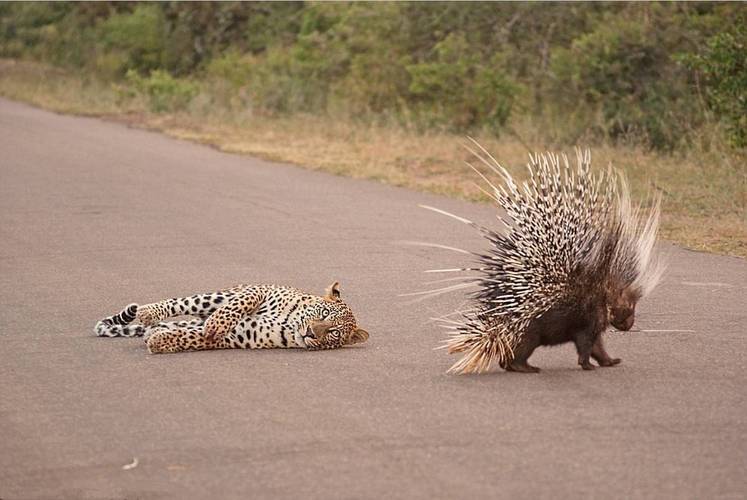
(94, 215)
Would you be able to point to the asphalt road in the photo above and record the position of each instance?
(94, 215)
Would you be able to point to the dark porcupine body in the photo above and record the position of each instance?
(575, 258)
(581, 319)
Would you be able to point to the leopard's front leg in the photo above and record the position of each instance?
(305, 337)
(319, 336)
(226, 317)
(181, 336)
(313, 344)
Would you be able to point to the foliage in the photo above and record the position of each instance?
(651, 73)
(619, 72)
(722, 71)
(459, 89)
(163, 91)
(137, 36)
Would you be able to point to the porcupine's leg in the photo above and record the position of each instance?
(526, 347)
(601, 356)
(584, 341)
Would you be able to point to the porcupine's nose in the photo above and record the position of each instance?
(626, 324)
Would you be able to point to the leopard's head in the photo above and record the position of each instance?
(333, 323)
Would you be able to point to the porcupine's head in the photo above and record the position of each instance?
(634, 270)
(621, 309)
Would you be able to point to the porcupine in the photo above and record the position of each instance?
(575, 257)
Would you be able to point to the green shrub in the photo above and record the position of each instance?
(375, 84)
(298, 78)
(722, 73)
(163, 91)
(620, 82)
(138, 35)
(578, 71)
(47, 31)
(231, 67)
(457, 90)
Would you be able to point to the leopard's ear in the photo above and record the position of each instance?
(333, 291)
(358, 336)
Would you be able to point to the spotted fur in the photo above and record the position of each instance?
(242, 317)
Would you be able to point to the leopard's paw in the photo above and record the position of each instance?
(304, 337)
(216, 328)
(160, 341)
(312, 344)
(150, 314)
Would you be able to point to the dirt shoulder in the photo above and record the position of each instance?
(704, 193)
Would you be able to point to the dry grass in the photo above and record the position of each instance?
(704, 193)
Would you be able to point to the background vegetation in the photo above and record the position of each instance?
(652, 84)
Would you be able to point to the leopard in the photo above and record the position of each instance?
(259, 316)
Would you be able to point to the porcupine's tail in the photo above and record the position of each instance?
(473, 333)
(481, 343)
(119, 325)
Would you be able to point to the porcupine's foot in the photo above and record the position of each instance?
(601, 356)
(608, 362)
(522, 353)
(521, 368)
(585, 363)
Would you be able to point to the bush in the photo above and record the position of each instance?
(458, 91)
(619, 82)
(138, 37)
(297, 78)
(603, 70)
(722, 71)
(231, 67)
(163, 91)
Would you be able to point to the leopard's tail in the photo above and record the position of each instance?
(119, 324)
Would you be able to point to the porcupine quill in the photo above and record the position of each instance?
(575, 256)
